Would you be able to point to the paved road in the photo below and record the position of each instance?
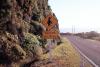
(90, 48)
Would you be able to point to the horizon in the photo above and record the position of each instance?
(71, 30)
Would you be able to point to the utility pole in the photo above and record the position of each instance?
(73, 29)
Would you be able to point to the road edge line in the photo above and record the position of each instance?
(93, 63)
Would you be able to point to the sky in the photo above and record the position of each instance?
(80, 15)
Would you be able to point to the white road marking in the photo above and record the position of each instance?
(93, 63)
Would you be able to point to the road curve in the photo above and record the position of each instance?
(90, 48)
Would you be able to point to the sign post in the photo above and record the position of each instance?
(50, 23)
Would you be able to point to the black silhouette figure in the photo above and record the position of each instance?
(49, 21)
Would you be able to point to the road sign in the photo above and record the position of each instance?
(50, 35)
(49, 22)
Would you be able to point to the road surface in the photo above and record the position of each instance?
(89, 48)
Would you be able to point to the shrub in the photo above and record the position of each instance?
(31, 43)
(42, 41)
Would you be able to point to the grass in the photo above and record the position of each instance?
(64, 55)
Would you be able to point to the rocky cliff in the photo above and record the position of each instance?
(21, 30)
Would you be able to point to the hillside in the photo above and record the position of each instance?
(21, 30)
(21, 36)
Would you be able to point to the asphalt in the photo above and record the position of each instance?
(89, 48)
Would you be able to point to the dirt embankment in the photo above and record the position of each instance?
(63, 55)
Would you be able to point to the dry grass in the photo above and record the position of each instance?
(65, 55)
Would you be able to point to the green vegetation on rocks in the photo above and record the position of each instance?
(30, 41)
(21, 30)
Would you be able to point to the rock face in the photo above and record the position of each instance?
(18, 17)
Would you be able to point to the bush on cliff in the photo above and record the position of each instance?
(31, 44)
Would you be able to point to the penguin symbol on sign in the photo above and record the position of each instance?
(49, 21)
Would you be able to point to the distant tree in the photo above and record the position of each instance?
(92, 34)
